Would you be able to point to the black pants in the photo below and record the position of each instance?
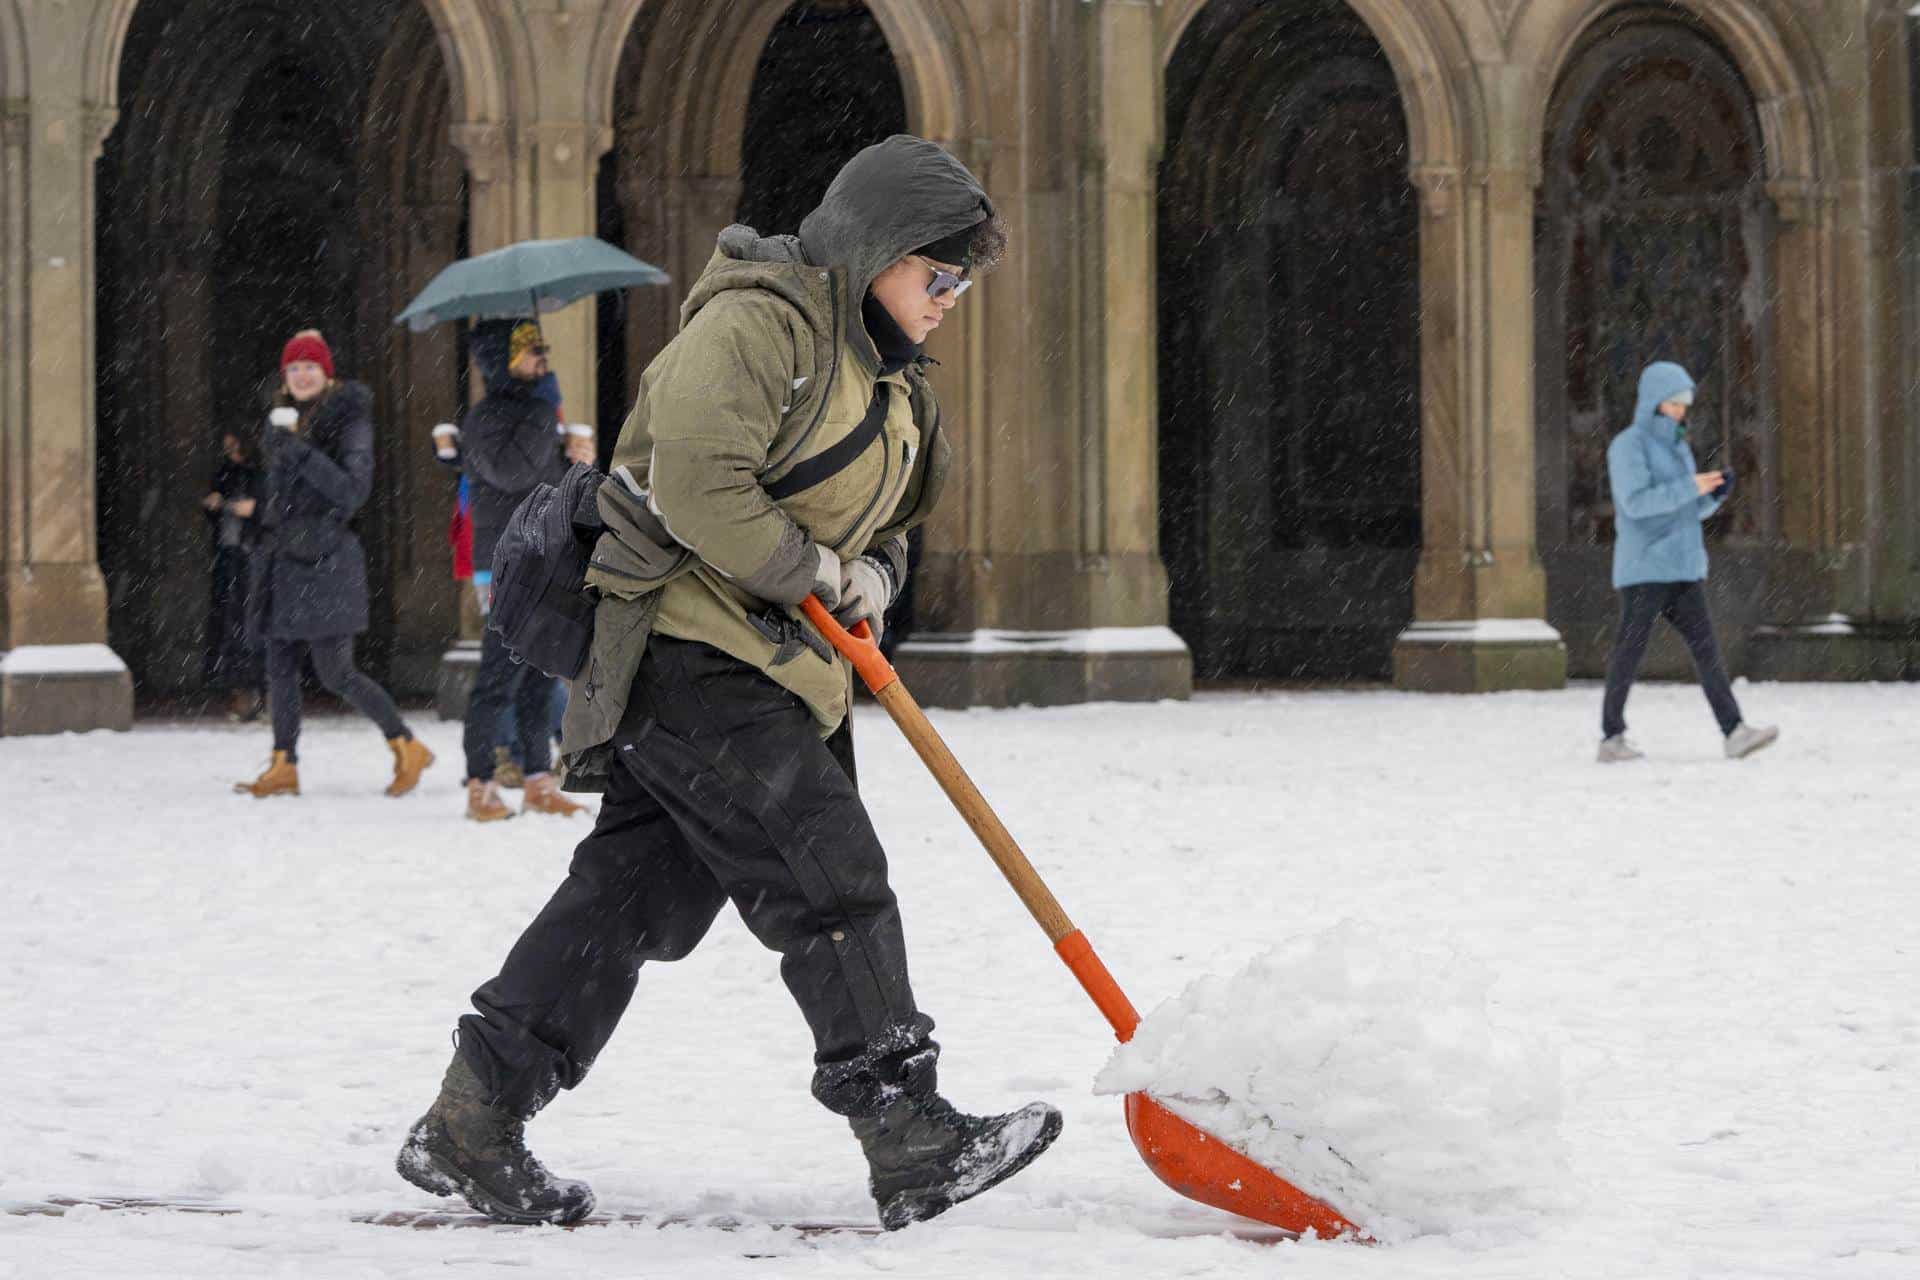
(722, 790)
(230, 662)
(499, 681)
(1684, 604)
(333, 663)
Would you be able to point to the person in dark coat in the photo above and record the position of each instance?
(510, 442)
(232, 662)
(309, 591)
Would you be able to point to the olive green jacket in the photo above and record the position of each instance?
(771, 370)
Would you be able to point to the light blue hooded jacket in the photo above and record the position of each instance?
(1656, 508)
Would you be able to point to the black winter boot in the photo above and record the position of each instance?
(463, 1147)
(925, 1157)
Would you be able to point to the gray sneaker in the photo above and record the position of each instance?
(1747, 739)
(1617, 750)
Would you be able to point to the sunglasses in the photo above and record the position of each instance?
(944, 282)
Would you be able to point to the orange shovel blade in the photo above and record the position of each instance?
(1201, 1167)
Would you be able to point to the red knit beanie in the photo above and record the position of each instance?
(308, 345)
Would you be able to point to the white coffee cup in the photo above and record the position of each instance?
(284, 416)
(446, 440)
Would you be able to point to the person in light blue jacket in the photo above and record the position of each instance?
(1660, 558)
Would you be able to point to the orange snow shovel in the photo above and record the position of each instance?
(1186, 1158)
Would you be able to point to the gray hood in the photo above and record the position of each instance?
(886, 202)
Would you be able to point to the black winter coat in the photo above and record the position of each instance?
(508, 445)
(309, 570)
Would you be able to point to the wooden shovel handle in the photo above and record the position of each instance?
(881, 678)
(858, 647)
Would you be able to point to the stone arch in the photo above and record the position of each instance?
(1291, 427)
(933, 47)
(473, 48)
(1776, 58)
(1653, 240)
(263, 176)
(675, 167)
(1431, 49)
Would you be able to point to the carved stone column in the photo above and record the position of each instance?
(1479, 592)
(1055, 592)
(56, 672)
(1820, 593)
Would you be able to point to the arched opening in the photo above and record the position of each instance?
(1289, 344)
(1654, 240)
(825, 87)
(275, 167)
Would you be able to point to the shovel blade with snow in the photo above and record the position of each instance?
(1182, 1155)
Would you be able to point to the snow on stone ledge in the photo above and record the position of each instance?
(1087, 640)
(61, 660)
(1481, 631)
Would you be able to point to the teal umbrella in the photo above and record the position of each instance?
(526, 278)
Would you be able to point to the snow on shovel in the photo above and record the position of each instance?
(1185, 1157)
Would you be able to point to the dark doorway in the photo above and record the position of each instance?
(826, 86)
(1653, 243)
(1289, 345)
(268, 174)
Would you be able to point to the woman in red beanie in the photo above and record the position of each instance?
(309, 594)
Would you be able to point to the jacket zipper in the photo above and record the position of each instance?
(886, 477)
(826, 394)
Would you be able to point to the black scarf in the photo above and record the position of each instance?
(897, 351)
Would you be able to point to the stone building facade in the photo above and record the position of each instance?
(1320, 315)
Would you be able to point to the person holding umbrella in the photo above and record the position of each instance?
(309, 574)
(506, 446)
(1660, 559)
(509, 444)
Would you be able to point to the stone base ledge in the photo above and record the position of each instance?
(1479, 655)
(64, 688)
(458, 667)
(1834, 647)
(991, 668)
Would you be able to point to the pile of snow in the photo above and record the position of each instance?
(1367, 1073)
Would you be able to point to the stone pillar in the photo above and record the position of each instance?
(1479, 591)
(1840, 596)
(1811, 623)
(563, 161)
(425, 599)
(1041, 580)
(56, 672)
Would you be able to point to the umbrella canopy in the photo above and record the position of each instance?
(532, 276)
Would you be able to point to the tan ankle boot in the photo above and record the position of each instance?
(543, 796)
(410, 760)
(484, 803)
(505, 771)
(282, 778)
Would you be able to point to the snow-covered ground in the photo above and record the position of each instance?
(206, 995)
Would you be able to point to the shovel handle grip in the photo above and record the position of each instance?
(856, 646)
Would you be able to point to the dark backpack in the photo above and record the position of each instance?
(541, 605)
